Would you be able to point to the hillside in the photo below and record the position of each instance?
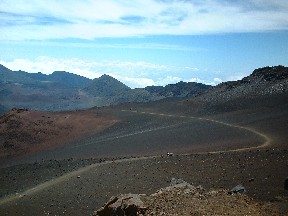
(262, 81)
(66, 91)
(115, 92)
(106, 86)
(23, 132)
(58, 91)
(180, 89)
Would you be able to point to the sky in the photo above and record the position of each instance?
(145, 42)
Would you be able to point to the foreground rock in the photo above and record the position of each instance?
(238, 189)
(182, 198)
(124, 204)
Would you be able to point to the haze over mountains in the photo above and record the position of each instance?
(66, 91)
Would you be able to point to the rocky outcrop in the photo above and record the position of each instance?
(132, 204)
(182, 198)
(270, 73)
(124, 204)
(262, 82)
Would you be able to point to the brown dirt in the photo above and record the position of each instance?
(25, 132)
(187, 201)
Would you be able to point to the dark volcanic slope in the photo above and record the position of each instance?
(58, 91)
(180, 89)
(66, 91)
(263, 81)
(106, 86)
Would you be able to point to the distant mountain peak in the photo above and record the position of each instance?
(3, 68)
(106, 86)
(59, 72)
(106, 77)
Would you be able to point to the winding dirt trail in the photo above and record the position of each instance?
(266, 143)
(78, 172)
(63, 178)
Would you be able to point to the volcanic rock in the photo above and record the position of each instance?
(238, 189)
(124, 204)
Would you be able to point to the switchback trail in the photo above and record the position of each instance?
(78, 172)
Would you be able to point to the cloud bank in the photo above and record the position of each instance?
(90, 19)
(134, 74)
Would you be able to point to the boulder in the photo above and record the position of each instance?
(238, 189)
(124, 204)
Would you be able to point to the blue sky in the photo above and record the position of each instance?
(145, 42)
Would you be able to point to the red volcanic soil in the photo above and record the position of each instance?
(23, 132)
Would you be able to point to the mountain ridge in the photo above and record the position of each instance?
(62, 90)
(106, 86)
(180, 89)
(262, 81)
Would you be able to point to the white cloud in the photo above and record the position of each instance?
(48, 65)
(135, 82)
(217, 80)
(168, 80)
(88, 19)
(194, 79)
(134, 74)
(209, 81)
(213, 82)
